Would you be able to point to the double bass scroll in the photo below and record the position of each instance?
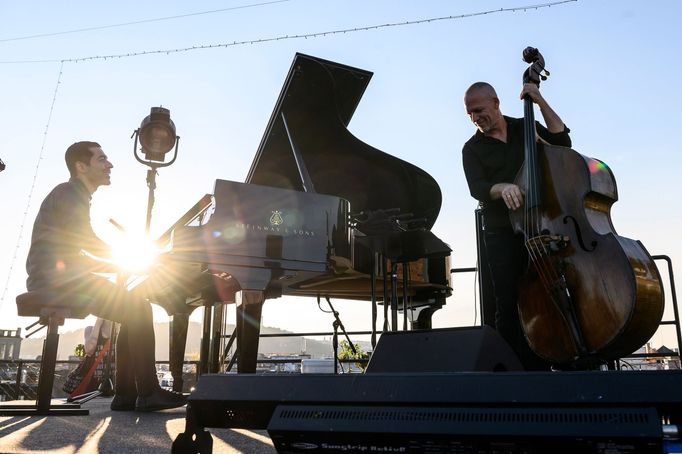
(588, 294)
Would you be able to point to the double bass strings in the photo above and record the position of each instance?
(538, 251)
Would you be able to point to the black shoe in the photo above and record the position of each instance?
(122, 402)
(160, 400)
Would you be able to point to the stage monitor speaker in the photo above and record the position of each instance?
(368, 428)
(468, 349)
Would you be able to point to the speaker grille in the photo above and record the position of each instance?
(494, 416)
(498, 420)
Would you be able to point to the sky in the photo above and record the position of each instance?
(615, 75)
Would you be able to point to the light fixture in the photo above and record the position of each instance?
(157, 137)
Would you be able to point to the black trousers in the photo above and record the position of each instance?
(135, 344)
(507, 261)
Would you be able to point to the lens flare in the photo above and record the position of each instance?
(596, 166)
(134, 253)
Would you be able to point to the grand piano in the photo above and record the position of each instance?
(321, 214)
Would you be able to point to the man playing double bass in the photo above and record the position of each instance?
(491, 158)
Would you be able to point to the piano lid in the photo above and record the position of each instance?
(309, 123)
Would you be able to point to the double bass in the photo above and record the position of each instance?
(588, 295)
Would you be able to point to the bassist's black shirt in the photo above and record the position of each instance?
(488, 161)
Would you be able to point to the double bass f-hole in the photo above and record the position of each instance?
(579, 235)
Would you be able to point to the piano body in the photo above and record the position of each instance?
(321, 214)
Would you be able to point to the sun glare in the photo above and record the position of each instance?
(134, 253)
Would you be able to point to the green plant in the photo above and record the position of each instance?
(79, 351)
(345, 353)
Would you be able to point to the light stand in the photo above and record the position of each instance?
(157, 137)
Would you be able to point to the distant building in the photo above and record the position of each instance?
(285, 363)
(649, 358)
(10, 344)
(672, 358)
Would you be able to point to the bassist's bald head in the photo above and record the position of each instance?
(481, 88)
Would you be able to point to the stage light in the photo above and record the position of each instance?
(157, 137)
(157, 134)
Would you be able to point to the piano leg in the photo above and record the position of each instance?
(248, 329)
(216, 332)
(176, 353)
(424, 316)
(205, 338)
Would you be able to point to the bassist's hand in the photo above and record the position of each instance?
(510, 193)
(533, 91)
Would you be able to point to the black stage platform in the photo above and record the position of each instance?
(601, 411)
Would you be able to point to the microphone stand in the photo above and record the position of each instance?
(335, 339)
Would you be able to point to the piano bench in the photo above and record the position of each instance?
(51, 308)
(48, 304)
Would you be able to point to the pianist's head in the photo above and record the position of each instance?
(87, 162)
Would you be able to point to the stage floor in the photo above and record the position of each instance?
(104, 431)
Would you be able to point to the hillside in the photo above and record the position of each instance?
(31, 348)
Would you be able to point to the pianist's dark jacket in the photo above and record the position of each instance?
(61, 230)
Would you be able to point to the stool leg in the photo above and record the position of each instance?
(47, 367)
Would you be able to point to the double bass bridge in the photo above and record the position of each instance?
(546, 242)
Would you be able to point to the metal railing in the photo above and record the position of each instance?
(22, 375)
(25, 372)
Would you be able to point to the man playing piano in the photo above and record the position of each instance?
(56, 262)
(492, 157)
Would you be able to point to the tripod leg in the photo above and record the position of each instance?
(230, 342)
(373, 282)
(335, 348)
(394, 296)
(384, 272)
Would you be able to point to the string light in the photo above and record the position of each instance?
(290, 37)
(33, 185)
